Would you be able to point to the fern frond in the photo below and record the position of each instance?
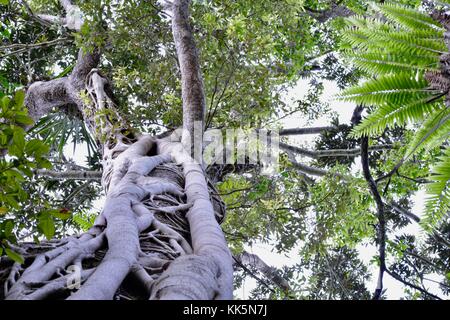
(403, 41)
(392, 115)
(399, 52)
(369, 23)
(396, 89)
(409, 18)
(438, 202)
(394, 41)
(380, 63)
(360, 21)
(432, 133)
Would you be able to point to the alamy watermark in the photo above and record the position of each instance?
(233, 146)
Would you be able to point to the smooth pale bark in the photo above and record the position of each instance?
(316, 154)
(300, 131)
(159, 223)
(193, 96)
(269, 272)
(207, 274)
(70, 174)
(122, 230)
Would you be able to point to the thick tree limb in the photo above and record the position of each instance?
(316, 154)
(309, 170)
(336, 10)
(73, 19)
(193, 95)
(43, 97)
(409, 284)
(70, 174)
(268, 271)
(381, 227)
(299, 131)
(381, 230)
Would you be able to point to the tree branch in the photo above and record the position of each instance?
(335, 10)
(193, 95)
(73, 19)
(309, 170)
(70, 174)
(22, 47)
(299, 131)
(381, 227)
(436, 234)
(316, 154)
(404, 212)
(409, 284)
(381, 230)
(253, 275)
(268, 271)
(43, 97)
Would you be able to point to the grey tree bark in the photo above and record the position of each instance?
(159, 227)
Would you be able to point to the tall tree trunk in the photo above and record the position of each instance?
(158, 235)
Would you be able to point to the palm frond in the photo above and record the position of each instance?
(57, 129)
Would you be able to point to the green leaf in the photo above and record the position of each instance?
(44, 163)
(19, 139)
(23, 119)
(9, 226)
(47, 225)
(19, 98)
(14, 255)
(62, 214)
(4, 2)
(36, 147)
(5, 103)
(9, 199)
(65, 72)
(85, 28)
(26, 170)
